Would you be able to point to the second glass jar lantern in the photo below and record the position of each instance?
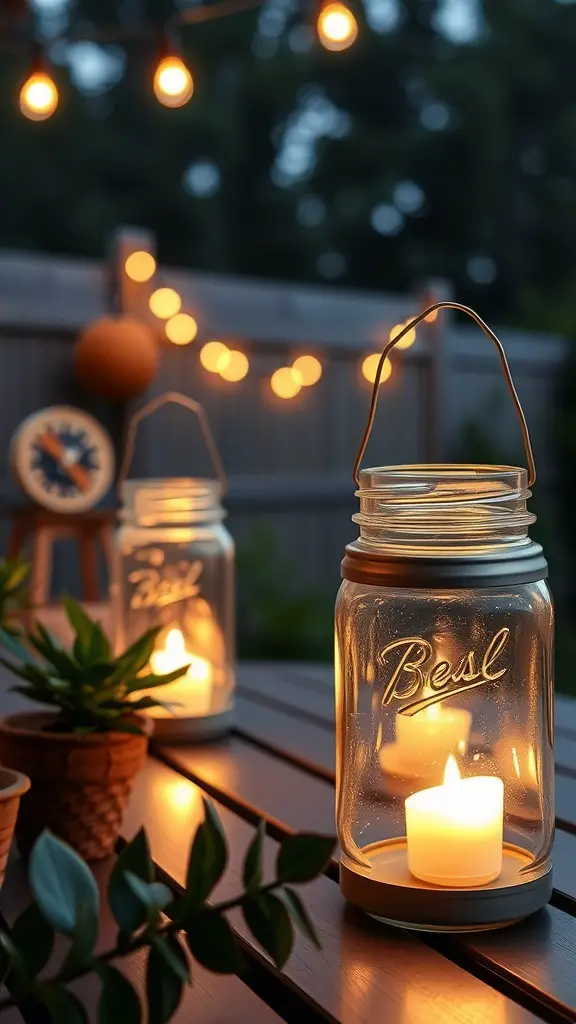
(175, 569)
(444, 676)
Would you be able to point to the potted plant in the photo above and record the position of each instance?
(84, 748)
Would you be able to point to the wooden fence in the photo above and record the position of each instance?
(289, 462)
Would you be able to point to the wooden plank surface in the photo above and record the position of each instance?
(364, 972)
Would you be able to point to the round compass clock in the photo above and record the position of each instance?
(63, 459)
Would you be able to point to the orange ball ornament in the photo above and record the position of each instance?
(116, 357)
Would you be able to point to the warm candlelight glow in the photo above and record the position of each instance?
(193, 692)
(455, 831)
(173, 83)
(424, 740)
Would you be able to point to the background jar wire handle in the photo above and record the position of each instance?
(175, 398)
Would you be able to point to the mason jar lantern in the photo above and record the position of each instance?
(174, 568)
(444, 693)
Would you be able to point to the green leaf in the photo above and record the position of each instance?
(163, 988)
(124, 904)
(150, 682)
(79, 955)
(118, 999)
(33, 936)
(16, 963)
(63, 1006)
(269, 922)
(153, 895)
(212, 943)
(38, 696)
(171, 951)
(138, 655)
(300, 916)
(252, 872)
(81, 622)
(14, 646)
(208, 858)
(303, 857)
(62, 884)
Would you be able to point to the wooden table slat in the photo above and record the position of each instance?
(364, 972)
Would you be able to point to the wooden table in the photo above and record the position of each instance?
(278, 764)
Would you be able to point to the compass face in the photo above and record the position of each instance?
(63, 459)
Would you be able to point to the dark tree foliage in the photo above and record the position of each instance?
(485, 129)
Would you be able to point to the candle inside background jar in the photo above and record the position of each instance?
(192, 693)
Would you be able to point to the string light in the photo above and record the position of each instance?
(165, 303)
(173, 83)
(236, 366)
(370, 366)
(210, 355)
(286, 382)
(407, 340)
(309, 368)
(38, 96)
(181, 329)
(337, 27)
(140, 266)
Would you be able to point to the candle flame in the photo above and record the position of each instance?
(175, 643)
(451, 773)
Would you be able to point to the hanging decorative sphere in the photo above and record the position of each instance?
(116, 357)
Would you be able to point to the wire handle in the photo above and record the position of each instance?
(505, 370)
(152, 407)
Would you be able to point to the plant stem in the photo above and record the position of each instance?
(167, 928)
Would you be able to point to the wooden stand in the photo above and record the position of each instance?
(42, 528)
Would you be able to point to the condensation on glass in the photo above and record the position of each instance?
(175, 570)
(444, 634)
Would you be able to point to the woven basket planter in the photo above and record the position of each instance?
(13, 785)
(80, 782)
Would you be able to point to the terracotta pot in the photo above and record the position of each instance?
(80, 781)
(13, 785)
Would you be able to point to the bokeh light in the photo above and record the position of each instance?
(181, 329)
(211, 353)
(432, 317)
(370, 366)
(337, 27)
(236, 366)
(286, 382)
(309, 368)
(38, 97)
(165, 303)
(140, 266)
(173, 83)
(408, 338)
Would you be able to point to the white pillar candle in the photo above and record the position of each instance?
(424, 740)
(193, 691)
(455, 831)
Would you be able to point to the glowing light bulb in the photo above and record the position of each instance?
(165, 303)
(181, 329)
(140, 266)
(38, 97)
(236, 366)
(210, 355)
(286, 382)
(370, 366)
(309, 368)
(408, 338)
(337, 27)
(173, 83)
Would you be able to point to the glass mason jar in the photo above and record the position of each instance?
(444, 700)
(175, 570)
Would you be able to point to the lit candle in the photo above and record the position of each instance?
(192, 692)
(455, 831)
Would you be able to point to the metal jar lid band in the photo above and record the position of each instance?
(524, 564)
